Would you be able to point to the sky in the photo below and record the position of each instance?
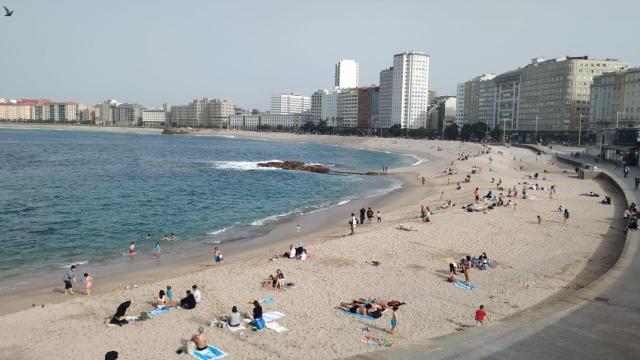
(152, 52)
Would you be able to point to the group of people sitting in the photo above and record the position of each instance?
(481, 262)
(275, 281)
(298, 252)
(192, 298)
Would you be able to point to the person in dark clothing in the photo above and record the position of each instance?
(257, 310)
(119, 317)
(111, 355)
(188, 302)
(362, 214)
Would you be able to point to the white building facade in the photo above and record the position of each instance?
(272, 121)
(285, 104)
(410, 89)
(347, 74)
(154, 118)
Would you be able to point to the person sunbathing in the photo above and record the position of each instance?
(374, 306)
(163, 300)
(279, 285)
(361, 309)
(200, 339)
(270, 282)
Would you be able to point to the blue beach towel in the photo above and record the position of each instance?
(357, 315)
(463, 285)
(155, 312)
(211, 352)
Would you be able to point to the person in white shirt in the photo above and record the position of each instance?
(196, 293)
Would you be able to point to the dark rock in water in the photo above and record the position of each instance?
(295, 165)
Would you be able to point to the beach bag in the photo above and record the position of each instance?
(191, 347)
(450, 279)
(259, 323)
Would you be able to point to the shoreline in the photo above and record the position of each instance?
(535, 265)
(112, 276)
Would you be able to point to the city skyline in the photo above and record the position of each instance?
(145, 53)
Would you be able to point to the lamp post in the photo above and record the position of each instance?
(537, 129)
(579, 128)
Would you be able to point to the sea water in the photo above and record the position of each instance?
(75, 197)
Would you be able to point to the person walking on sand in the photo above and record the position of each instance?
(68, 277)
(88, 284)
(132, 249)
(637, 181)
(157, 248)
(481, 315)
(625, 171)
(566, 215)
(298, 228)
(477, 194)
(353, 223)
(539, 220)
(363, 213)
(379, 217)
(423, 180)
(394, 320)
(369, 215)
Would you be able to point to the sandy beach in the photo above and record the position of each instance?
(534, 262)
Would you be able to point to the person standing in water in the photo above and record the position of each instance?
(68, 277)
(132, 249)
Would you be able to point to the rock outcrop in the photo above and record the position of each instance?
(295, 165)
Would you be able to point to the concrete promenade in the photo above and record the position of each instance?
(600, 321)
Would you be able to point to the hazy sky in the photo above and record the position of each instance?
(151, 52)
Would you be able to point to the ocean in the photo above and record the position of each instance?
(74, 197)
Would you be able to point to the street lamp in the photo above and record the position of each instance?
(579, 128)
(537, 129)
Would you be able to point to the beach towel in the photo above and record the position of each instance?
(157, 311)
(211, 352)
(463, 285)
(272, 316)
(276, 327)
(372, 340)
(357, 315)
(235, 328)
(266, 300)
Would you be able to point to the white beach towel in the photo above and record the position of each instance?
(272, 316)
(236, 328)
(276, 327)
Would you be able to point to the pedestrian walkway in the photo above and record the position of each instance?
(600, 321)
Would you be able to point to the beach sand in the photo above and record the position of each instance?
(534, 262)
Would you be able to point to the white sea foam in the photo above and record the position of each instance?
(66, 266)
(242, 165)
(272, 218)
(220, 231)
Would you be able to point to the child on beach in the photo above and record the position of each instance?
(394, 320)
(157, 248)
(88, 284)
(169, 293)
(539, 220)
(379, 217)
(481, 315)
(217, 255)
